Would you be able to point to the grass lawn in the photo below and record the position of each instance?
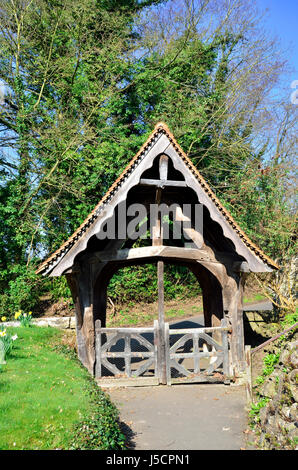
(49, 401)
(254, 298)
(134, 314)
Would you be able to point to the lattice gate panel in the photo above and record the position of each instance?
(126, 352)
(137, 355)
(194, 356)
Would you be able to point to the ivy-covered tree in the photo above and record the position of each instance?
(62, 65)
(86, 81)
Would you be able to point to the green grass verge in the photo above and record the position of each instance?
(126, 318)
(48, 400)
(255, 298)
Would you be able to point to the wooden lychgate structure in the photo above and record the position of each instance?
(209, 242)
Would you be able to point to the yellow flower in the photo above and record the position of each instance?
(3, 333)
(30, 313)
(3, 319)
(18, 314)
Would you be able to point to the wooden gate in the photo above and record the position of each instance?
(126, 355)
(151, 356)
(194, 356)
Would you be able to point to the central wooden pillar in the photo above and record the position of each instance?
(161, 325)
(157, 240)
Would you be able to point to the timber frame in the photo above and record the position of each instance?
(220, 256)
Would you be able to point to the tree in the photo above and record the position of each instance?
(85, 81)
(214, 85)
(63, 65)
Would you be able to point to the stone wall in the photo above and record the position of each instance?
(278, 420)
(258, 327)
(64, 323)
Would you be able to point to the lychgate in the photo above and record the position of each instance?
(162, 200)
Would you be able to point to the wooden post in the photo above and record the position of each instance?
(155, 341)
(225, 346)
(97, 371)
(157, 238)
(157, 229)
(161, 324)
(127, 351)
(249, 398)
(167, 352)
(232, 297)
(163, 167)
(195, 339)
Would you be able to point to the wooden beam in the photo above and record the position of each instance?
(195, 236)
(162, 183)
(163, 167)
(156, 251)
(157, 236)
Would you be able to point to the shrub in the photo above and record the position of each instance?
(22, 292)
(99, 430)
(139, 284)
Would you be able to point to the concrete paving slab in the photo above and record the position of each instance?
(183, 417)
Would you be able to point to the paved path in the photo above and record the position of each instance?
(183, 417)
(186, 417)
(262, 305)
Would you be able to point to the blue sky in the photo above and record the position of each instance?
(282, 20)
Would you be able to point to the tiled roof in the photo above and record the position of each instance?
(160, 128)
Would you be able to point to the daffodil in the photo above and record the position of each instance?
(18, 314)
(3, 333)
(3, 319)
(14, 337)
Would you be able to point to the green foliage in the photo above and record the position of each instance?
(270, 360)
(23, 290)
(59, 289)
(25, 319)
(100, 429)
(140, 284)
(257, 200)
(255, 410)
(85, 83)
(290, 318)
(68, 64)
